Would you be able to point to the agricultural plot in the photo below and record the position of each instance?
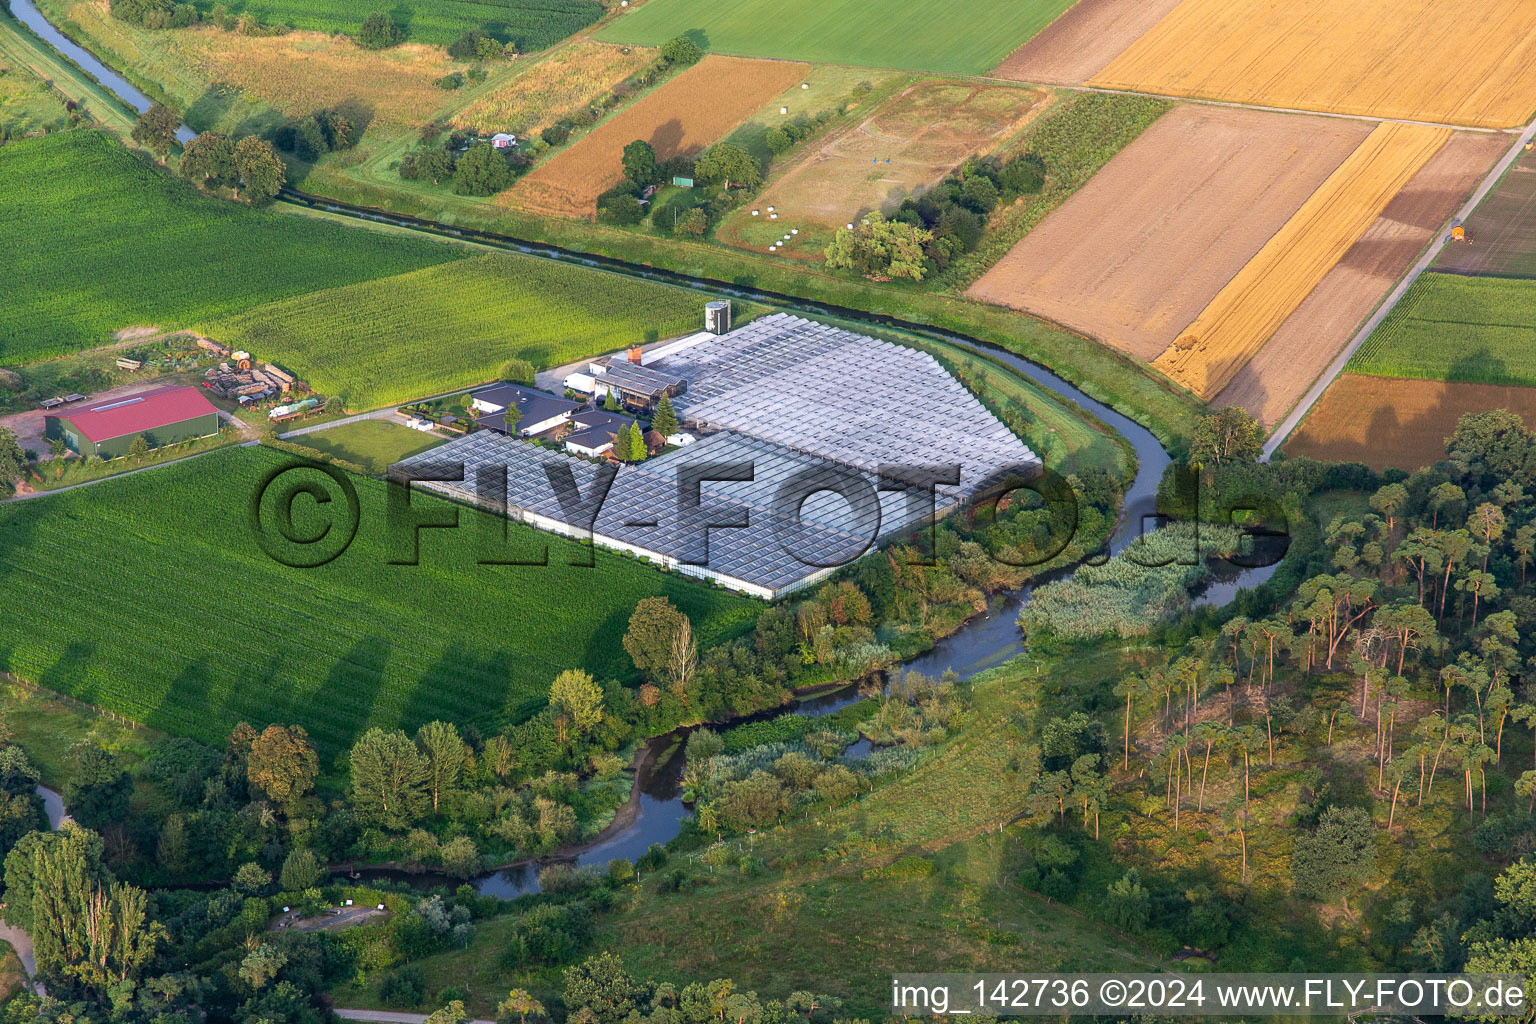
(1501, 233)
(1387, 422)
(906, 146)
(387, 341)
(569, 80)
(97, 240)
(953, 36)
(1426, 61)
(1448, 327)
(1135, 254)
(193, 628)
(531, 24)
(1275, 379)
(681, 118)
(224, 81)
(1269, 288)
(1077, 45)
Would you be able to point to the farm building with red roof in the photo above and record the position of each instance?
(161, 416)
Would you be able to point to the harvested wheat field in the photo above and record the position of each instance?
(907, 145)
(1390, 422)
(1501, 233)
(1275, 379)
(1136, 253)
(1229, 332)
(1430, 60)
(1082, 41)
(569, 79)
(682, 117)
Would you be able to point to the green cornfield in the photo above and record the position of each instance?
(1480, 330)
(388, 341)
(95, 240)
(149, 596)
(531, 24)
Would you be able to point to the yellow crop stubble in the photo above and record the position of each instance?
(1253, 305)
(1447, 61)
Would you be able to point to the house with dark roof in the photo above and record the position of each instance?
(534, 411)
(594, 432)
(634, 384)
(161, 416)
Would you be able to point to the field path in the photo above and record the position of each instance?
(1337, 366)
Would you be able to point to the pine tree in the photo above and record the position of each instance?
(609, 405)
(665, 421)
(621, 448)
(637, 452)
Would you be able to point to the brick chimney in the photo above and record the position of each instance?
(634, 355)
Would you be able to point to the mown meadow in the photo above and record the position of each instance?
(97, 240)
(149, 596)
(1454, 328)
(390, 340)
(966, 37)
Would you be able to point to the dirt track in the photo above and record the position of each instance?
(1138, 252)
(1385, 421)
(682, 117)
(1322, 325)
(1078, 45)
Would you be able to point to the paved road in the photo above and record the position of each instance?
(391, 1017)
(1393, 298)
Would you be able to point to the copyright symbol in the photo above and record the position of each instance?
(297, 519)
(1112, 993)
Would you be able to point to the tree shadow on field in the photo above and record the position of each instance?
(463, 686)
(338, 710)
(68, 672)
(186, 708)
(1401, 436)
(403, 16)
(209, 109)
(698, 37)
(667, 139)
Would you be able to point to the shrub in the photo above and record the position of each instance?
(450, 82)
(405, 987)
(379, 32)
(556, 133)
(681, 50)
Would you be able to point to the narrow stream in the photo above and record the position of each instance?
(985, 641)
(30, 16)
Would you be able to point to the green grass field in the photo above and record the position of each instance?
(149, 596)
(97, 240)
(531, 24)
(372, 444)
(964, 37)
(390, 340)
(1448, 327)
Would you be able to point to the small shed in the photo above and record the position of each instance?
(503, 140)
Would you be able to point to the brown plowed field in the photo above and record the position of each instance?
(1139, 251)
(1432, 60)
(906, 146)
(1502, 230)
(1323, 324)
(682, 117)
(1082, 41)
(1386, 421)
